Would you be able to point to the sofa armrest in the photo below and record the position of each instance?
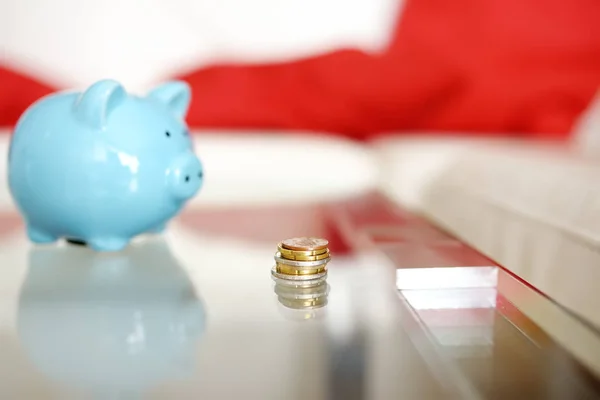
(533, 208)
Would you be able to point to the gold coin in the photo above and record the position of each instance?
(288, 270)
(292, 253)
(307, 258)
(305, 244)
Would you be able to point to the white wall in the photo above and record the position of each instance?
(74, 42)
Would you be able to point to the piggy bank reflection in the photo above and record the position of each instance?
(109, 323)
(102, 165)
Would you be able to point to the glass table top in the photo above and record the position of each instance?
(194, 313)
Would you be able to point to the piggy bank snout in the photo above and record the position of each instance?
(187, 176)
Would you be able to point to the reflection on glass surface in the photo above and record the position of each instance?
(302, 301)
(497, 350)
(109, 324)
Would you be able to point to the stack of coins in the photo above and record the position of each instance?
(301, 262)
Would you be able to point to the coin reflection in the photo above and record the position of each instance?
(302, 300)
(109, 323)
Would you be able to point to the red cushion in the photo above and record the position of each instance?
(509, 67)
(17, 92)
(496, 66)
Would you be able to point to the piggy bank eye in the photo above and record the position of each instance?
(168, 133)
(186, 133)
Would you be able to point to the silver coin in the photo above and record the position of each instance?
(299, 284)
(300, 278)
(300, 264)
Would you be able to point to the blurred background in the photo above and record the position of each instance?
(356, 68)
(325, 80)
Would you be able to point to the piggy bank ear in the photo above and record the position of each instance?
(95, 104)
(176, 95)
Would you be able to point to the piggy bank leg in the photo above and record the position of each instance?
(108, 244)
(40, 236)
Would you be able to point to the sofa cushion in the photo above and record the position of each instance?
(256, 169)
(535, 209)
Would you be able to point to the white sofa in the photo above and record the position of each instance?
(533, 208)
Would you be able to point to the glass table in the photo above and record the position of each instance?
(407, 311)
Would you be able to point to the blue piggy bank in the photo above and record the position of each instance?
(103, 166)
